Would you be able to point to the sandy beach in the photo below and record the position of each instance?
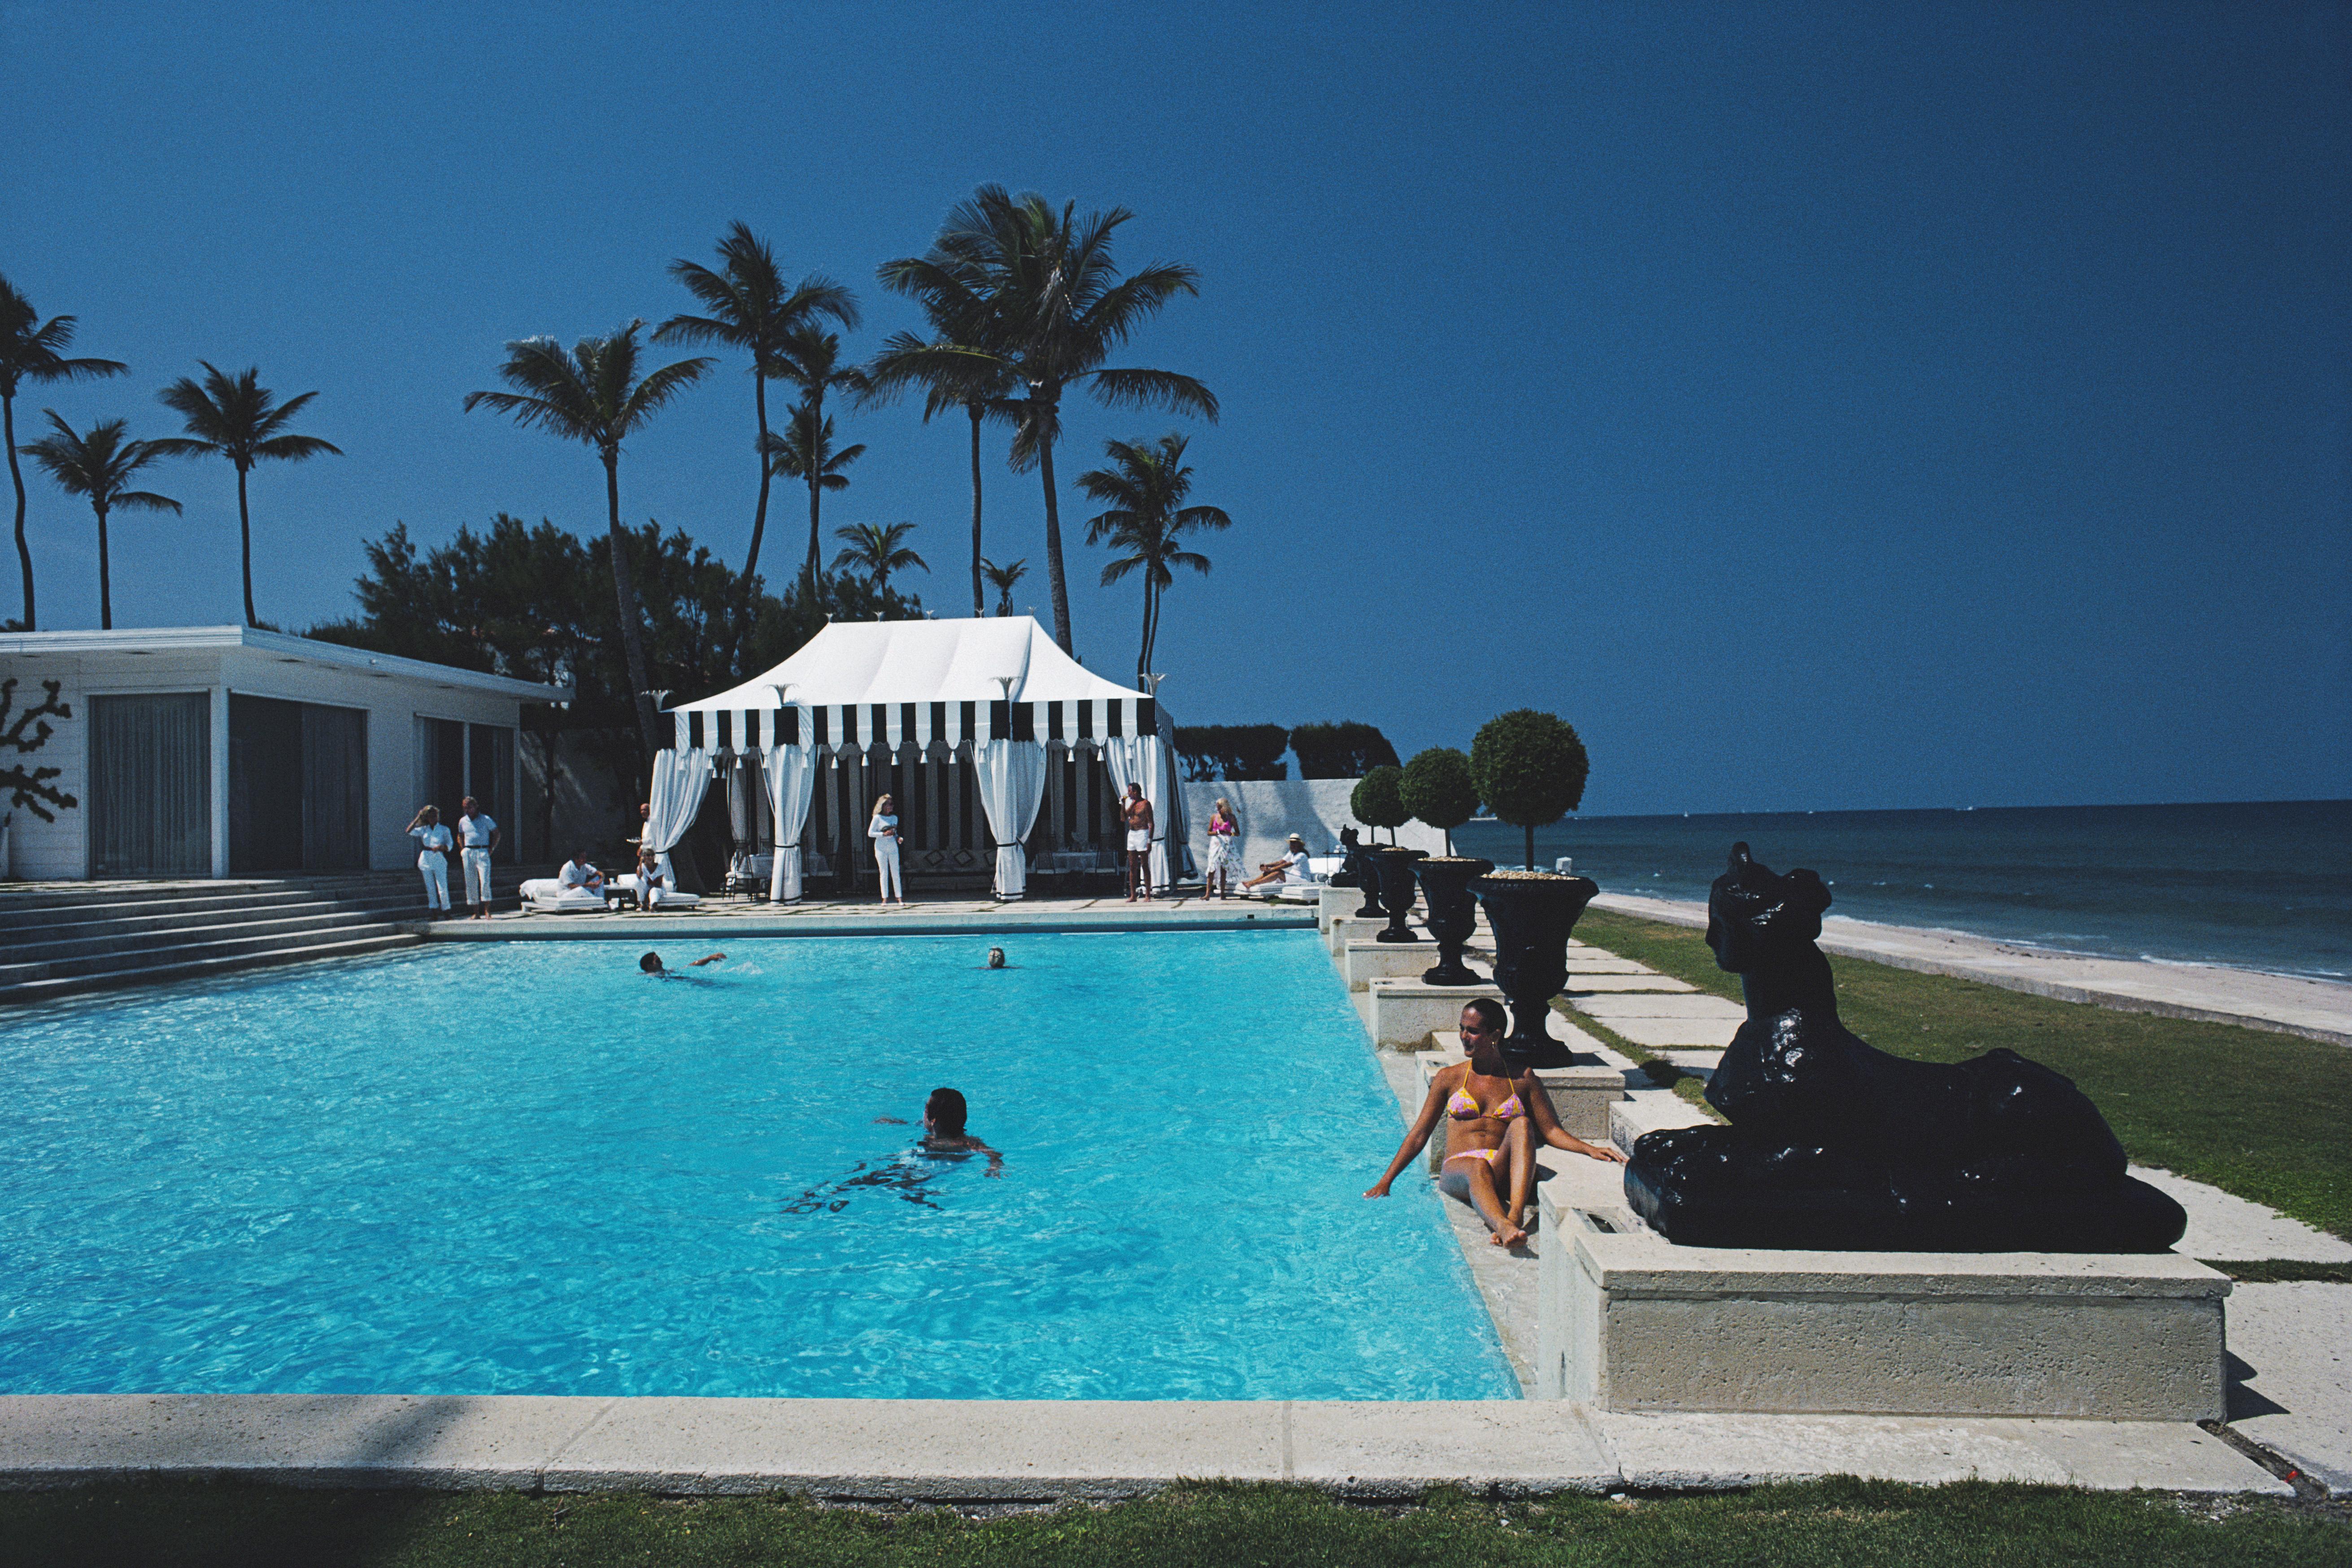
(2316, 1009)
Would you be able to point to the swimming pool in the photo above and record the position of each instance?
(526, 1168)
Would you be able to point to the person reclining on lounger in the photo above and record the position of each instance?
(578, 873)
(1291, 867)
(1492, 1118)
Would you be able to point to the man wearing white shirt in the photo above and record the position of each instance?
(479, 835)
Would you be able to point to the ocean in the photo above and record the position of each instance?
(2261, 884)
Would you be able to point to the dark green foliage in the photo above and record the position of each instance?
(1529, 769)
(528, 601)
(1232, 750)
(1376, 802)
(1340, 750)
(1437, 788)
(25, 732)
(2269, 1126)
(1825, 1524)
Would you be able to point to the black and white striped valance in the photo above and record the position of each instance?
(859, 724)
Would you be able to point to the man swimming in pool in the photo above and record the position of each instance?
(651, 963)
(943, 1133)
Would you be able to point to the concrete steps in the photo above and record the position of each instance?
(57, 941)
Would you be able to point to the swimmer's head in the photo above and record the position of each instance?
(651, 963)
(943, 1113)
(995, 958)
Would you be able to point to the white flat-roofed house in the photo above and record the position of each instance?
(201, 751)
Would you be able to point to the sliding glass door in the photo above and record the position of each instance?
(150, 785)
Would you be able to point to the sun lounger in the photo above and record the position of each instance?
(545, 895)
(663, 898)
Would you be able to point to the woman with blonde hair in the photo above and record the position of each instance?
(434, 843)
(883, 830)
(1224, 844)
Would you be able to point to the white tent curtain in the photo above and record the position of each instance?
(680, 780)
(1137, 759)
(792, 782)
(1011, 784)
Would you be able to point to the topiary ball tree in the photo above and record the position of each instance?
(1437, 789)
(1376, 803)
(1529, 769)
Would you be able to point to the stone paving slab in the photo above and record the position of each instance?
(1585, 982)
(2295, 1397)
(1516, 1446)
(2224, 1227)
(1676, 1034)
(1688, 1004)
(1685, 1452)
(1593, 961)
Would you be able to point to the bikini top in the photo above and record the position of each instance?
(1463, 1107)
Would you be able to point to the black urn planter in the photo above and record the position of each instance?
(1394, 867)
(1366, 863)
(1450, 913)
(1532, 913)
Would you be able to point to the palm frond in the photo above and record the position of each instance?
(1153, 389)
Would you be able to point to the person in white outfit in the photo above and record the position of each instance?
(1225, 851)
(883, 830)
(433, 844)
(479, 834)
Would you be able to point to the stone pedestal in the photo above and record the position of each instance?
(1629, 1321)
(1580, 1094)
(1404, 1012)
(1331, 903)
(1363, 962)
(1346, 929)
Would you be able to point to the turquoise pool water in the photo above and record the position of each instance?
(528, 1169)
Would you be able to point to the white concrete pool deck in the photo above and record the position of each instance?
(1014, 1451)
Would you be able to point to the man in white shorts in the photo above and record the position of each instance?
(479, 834)
(1137, 811)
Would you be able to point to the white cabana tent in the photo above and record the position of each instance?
(948, 715)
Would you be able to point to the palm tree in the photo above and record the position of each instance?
(1148, 519)
(962, 364)
(874, 549)
(810, 360)
(804, 451)
(593, 394)
(100, 465)
(236, 417)
(748, 307)
(32, 350)
(1001, 579)
(1065, 310)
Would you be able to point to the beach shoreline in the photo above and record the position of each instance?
(2284, 1004)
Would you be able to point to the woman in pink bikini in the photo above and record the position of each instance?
(1493, 1119)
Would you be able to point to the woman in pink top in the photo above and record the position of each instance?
(1492, 1118)
(1224, 847)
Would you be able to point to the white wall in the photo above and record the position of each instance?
(393, 698)
(1270, 810)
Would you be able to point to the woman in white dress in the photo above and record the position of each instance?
(1224, 848)
(883, 830)
(433, 844)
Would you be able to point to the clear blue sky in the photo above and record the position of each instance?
(1820, 406)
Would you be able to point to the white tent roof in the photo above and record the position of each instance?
(921, 661)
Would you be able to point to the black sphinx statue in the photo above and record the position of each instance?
(1836, 1145)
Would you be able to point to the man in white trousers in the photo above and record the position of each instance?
(479, 835)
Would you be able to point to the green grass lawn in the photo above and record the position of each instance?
(1829, 1522)
(2265, 1116)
